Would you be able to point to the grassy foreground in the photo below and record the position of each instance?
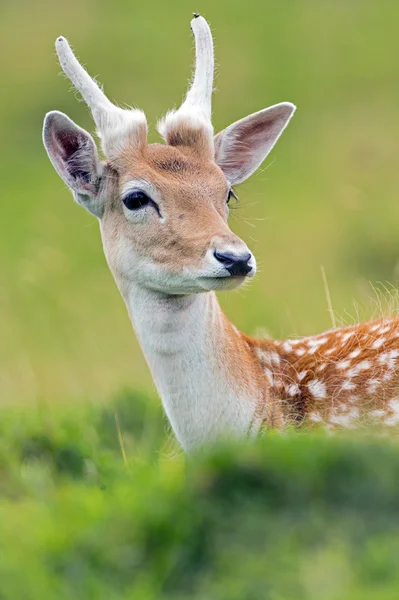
(90, 507)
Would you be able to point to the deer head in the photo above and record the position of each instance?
(163, 208)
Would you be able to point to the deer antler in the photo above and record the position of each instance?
(199, 96)
(195, 112)
(115, 126)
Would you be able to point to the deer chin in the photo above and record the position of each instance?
(181, 285)
(228, 282)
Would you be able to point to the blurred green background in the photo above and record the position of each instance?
(108, 506)
(326, 196)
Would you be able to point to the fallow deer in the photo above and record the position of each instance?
(163, 211)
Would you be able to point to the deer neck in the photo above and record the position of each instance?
(200, 364)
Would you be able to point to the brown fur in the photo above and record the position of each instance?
(196, 138)
(322, 378)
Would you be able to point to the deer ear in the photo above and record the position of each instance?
(74, 155)
(242, 147)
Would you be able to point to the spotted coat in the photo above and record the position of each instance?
(342, 377)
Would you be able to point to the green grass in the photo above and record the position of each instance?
(288, 517)
(328, 194)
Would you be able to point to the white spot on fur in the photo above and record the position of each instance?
(378, 343)
(287, 347)
(267, 357)
(331, 350)
(321, 367)
(387, 375)
(315, 417)
(355, 353)
(275, 358)
(348, 385)
(300, 351)
(388, 358)
(343, 364)
(362, 366)
(312, 342)
(293, 389)
(383, 358)
(269, 376)
(346, 420)
(385, 329)
(393, 419)
(301, 375)
(347, 335)
(365, 364)
(317, 388)
(260, 353)
(372, 385)
(377, 414)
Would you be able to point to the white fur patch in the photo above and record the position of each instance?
(293, 389)
(315, 417)
(317, 388)
(372, 385)
(269, 376)
(378, 343)
(287, 347)
(362, 366)
(348, 385)
(347, 335)
(346, 420)
(343, 364)
(275, 358)
(385, 329)
(377, 414)
(394, 418)
(311, 342)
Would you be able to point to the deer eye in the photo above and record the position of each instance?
(136, 200)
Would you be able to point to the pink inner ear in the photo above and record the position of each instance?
(67, 143)
(74, 155)
(241, 148)
(71, 152)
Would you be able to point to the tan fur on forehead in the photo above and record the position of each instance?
(163, 164)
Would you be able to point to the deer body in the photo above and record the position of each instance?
(214, 380)
(163, 212)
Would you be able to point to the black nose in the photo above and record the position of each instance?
(236, 264)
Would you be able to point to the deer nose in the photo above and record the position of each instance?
(236, 264)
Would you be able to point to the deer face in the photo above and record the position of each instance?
(163, 208)
(166, 225)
